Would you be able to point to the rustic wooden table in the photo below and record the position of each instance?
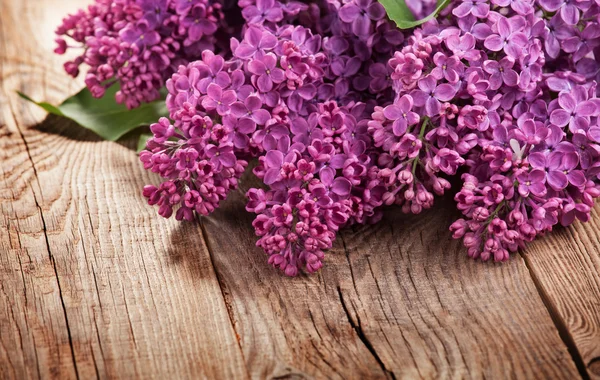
(95, 284)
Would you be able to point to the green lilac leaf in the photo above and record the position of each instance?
(103, 115)
(398, 12)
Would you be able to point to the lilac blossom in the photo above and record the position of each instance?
(315, 157)
(137, 45)
(574, 112)
(430, 94)
(507, 39)
(345, 113)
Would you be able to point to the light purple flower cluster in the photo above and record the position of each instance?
(438, 75)
(321, 176)
(537, 163)
(137, 43)
(346, 113)
(315, 157)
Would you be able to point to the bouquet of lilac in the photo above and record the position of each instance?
(536, 159)
(138, 44)
(289, 98)
(346, 113)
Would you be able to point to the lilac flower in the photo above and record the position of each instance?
(251, 109)
(221, 155)
(380, 77)
(571, 211)
(197, 23)
(430, 95)
(138, 44)
(561, 170)
(587, 151)
(155, 11)
(218, 99)
(574, 113)
(402, 115)
(359, 13)
(267, 71)
(140, 34)
(532, 182)
(264, 10)
(446, 68)
(306, 130)
(507, 39)
(501, 72)
(568, 10)
(478, 8)
(531, 131)
(582, 43)
(463, 47)
(256, 43)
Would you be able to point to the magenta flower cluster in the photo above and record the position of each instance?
(345, 113)
(537, 155)
(279, 98)
(137, 44)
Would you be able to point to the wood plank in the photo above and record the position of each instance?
(287, 326)
(91, 282)
(95, 284)
(398, 299)
(566, 265)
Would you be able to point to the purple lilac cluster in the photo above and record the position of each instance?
(536, 164)
(137, 43)
(298, 99)
(346, 113)
(444, 98)
(315, 157)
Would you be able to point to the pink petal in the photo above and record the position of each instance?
(557, 180)
(264, 83)
(261, 116)
(349, 12)
(392, 112)
(341, 186)
(567, 102)
(256, 67)
(560, 117)
(587, 108)
(432, 106)
(445, 92)
(493, 42)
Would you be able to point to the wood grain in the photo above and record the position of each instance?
(398, 298)
(566, 264)
(95, 285)
(91, 282)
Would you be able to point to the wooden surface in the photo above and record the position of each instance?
(94, 284)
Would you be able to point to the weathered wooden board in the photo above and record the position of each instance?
(398, 299)
(90, 277)
(94, 284)
(566, 265)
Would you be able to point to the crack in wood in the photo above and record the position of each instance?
(363, 338)
(559, 322)
(45, 230)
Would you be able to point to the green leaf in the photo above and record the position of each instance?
(144, 137)
(404, 19)
(104, 116)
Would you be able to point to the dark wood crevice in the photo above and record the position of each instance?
(47, 241)
(558, 320)
(363, 338)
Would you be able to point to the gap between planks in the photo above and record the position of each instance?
(559, 322)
